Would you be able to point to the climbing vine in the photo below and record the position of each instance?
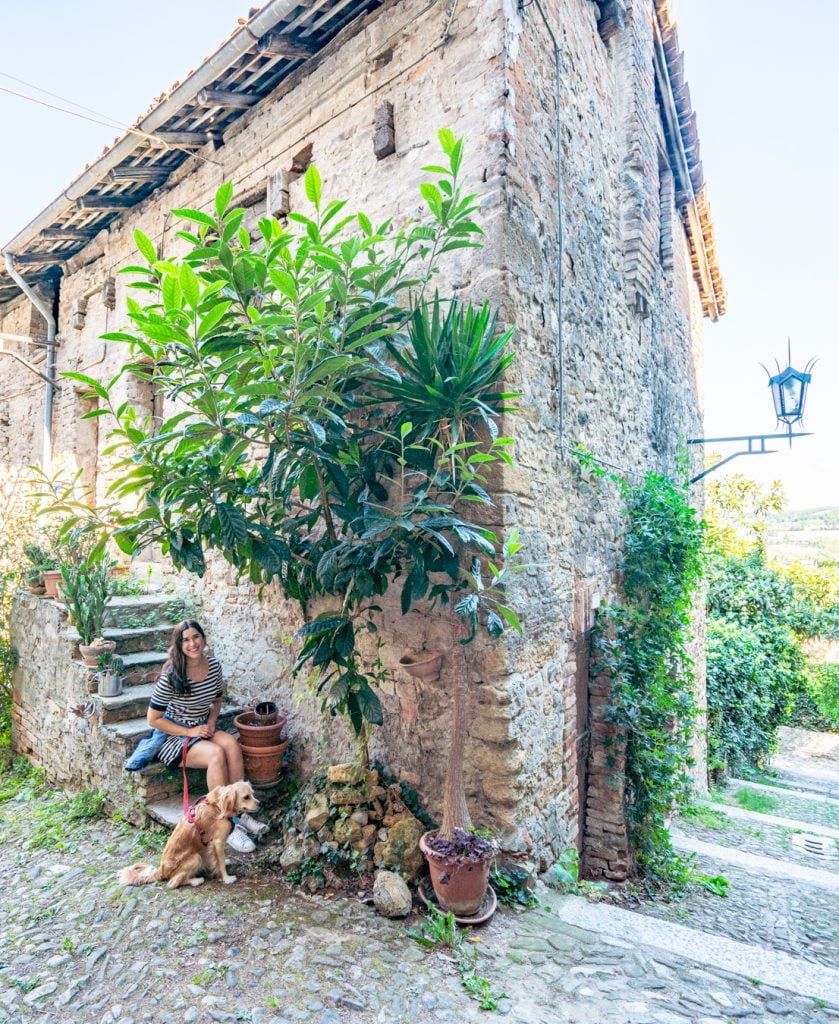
(641, 644)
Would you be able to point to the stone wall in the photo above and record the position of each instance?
(619, 376)
(594, 366)
(48, 683)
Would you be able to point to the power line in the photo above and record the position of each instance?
(58, 96)
(148, 136)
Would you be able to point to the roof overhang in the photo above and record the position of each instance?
(261, 52)
(682, 140)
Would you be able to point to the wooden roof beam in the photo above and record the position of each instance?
(106, 202)
(226, 98)
(68, 234)
(34, 259)
(276, 44)
(189, 139)
(156, 175)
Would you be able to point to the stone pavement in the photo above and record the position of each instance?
(80, 949)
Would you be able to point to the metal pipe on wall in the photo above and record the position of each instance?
(45, 311)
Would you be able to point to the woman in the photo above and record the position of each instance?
(185, 702)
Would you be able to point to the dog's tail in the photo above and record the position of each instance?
(139, 874)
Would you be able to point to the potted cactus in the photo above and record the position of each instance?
(86, 586)
(110, 668)
(40, 563)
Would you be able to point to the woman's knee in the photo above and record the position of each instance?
(215, 756)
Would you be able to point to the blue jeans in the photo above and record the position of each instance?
(146, 751)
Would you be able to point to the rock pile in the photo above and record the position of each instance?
(357, 819)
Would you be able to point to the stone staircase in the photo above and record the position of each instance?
(142, 631)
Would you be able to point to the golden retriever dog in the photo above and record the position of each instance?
(197, 845)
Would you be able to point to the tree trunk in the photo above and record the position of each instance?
(455, 811)
(363, 742)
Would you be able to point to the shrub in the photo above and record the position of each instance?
(817, 705)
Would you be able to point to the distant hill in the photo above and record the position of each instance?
(810, 536)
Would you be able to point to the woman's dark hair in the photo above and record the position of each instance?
(175, 667)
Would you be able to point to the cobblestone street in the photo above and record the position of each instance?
(80, 948)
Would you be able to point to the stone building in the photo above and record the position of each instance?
(599, 247)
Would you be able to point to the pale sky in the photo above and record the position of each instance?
(764, 82)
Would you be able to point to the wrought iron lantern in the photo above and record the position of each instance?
(789, 392)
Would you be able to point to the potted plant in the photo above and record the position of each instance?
(86, 586)
(42, 563)
(262, 748)
(110, 668)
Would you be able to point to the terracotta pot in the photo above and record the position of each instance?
(265, 713)
(422, 664)
(254, 735)
(459, 888)
(51, 578)
(264, 764)
(90, 653)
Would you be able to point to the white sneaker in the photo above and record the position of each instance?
(256, 828)
(239, 841)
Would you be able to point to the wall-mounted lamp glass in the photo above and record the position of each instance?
(789, 393)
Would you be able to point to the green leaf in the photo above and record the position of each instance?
(196, 215)
(213, 318)
(312, 185)
(495, 627)
(189, 285)
(96, 386)
(326, 623)
(223, 198)
(446, 139)
(234, 529)
(145, 246)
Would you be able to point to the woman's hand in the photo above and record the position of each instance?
(201, 732)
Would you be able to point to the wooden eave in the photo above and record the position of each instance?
(199, 110)
(682, 141)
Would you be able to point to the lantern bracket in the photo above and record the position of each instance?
(755, 445)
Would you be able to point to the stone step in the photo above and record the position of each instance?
(758, 863)
(139, 669)
(740, 814)
(132, 641)
(157, 782)
(773, 968)
(145, 611)
(131, 704)
(142, 667)
(799, 794)
(126, 733)
(169, 811)
(145, 638)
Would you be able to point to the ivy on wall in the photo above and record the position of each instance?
(641, 644)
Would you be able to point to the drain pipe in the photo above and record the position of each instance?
(45, 311)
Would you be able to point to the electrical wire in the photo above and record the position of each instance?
(58, 96)
(116, 126)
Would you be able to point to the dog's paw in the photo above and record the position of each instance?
(229, 880)
(196, 881)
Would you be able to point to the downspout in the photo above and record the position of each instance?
(46, 313)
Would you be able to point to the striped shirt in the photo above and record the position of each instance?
(188, 709)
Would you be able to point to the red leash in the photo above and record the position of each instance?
(189, 812)
(186, 788)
